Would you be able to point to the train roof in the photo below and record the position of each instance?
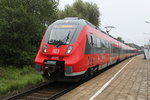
(71, 20)
(76, 20)
(82, 22)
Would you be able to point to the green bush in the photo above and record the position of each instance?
(12, 78)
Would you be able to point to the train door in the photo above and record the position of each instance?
(108, 52)
(91, 47)
(119, 51)
(111, 53)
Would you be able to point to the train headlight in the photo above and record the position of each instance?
(44, 48)
(69, 49)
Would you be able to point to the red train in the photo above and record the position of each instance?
(73, 49)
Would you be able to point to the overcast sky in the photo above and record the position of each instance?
(128, 16)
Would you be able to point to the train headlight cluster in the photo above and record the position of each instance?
(44, 48)
(69, 49)
(69, 69)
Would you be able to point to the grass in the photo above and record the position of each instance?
(12, 78)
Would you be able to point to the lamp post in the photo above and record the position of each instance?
(147, 47)
(148, 41)
(147, 50)
(147, 33)
(147, 21)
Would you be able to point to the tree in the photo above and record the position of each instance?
(120, 39)
(85, 10)
(134, 46)
(22, 24)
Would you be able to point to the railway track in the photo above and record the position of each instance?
(49, 91)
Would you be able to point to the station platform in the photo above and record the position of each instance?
(128, 80)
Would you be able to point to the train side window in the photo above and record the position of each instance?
(89, 39)
(98, 43)
(95, 41)
(107, 44)
(102, 43)
(110, 45)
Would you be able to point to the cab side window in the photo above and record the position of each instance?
(95, 41)
(90, 39)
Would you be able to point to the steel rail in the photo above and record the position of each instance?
(16, 96)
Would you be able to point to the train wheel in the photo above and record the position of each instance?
(86, 76)
(91, 72)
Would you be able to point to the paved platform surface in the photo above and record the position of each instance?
(132, 83)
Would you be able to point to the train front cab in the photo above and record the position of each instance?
(61, 57)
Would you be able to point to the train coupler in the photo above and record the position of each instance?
(50, 66)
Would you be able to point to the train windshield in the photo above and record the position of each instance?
(62, 34)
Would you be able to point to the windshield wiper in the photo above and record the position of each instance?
(52, 41)
(63, 41)
(67, 38)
